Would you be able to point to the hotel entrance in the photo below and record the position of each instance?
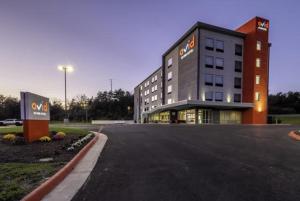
(205, 116)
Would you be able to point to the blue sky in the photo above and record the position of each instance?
(124, 40)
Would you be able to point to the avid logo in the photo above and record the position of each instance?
(188, 48)
(41, 107)
(263, 25)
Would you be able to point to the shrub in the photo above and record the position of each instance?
(19, 141)
(45, 139)
(9, 137)
(62, 134)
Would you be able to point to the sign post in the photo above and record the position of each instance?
(35, 113)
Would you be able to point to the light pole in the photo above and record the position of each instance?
(66, 69)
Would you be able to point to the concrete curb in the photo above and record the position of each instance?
(294, 136)
(46, 187)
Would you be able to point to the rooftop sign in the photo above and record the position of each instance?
(188, 48)
(263, 25)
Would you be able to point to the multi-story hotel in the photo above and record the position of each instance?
(210, 75)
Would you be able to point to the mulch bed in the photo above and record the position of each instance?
(32, 152)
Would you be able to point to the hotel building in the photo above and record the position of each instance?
(210, 75)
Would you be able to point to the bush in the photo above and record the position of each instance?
(62, 134)
(9, 137)
(19, 141)
(45, 139)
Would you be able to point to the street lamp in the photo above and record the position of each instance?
(66, 69)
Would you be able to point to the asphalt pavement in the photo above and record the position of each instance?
(193, 162)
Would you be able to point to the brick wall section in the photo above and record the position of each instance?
(258, 114)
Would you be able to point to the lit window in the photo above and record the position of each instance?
(258, 62)
(219, 63)
(258, 45)
(170, 62)
(219, 80)
(209, 96)
(257, 79)
(219, 46)
(209, 79)
(257, 96)
(170, 75)
(169, 89)
(209, 44)
(169, 101)
(209, 61)
(219, 96)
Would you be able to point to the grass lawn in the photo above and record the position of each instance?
(16, 129)
(289, 119)
(18, 179)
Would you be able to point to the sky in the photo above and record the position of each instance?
(124, 40)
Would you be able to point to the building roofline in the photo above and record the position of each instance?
(202, 25)
(148, 77)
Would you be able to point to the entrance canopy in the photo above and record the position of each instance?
(186, 104)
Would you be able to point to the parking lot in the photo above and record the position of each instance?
(193, 162)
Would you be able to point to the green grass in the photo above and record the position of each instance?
(18, 179)
(57, 128)
(294, 120)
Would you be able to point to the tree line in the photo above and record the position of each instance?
(116, 105)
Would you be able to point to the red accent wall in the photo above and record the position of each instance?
(35, 129)
(257, 114)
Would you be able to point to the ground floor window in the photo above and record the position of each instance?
(164, 116)
(154, 117)
(230, 117)
(205, 116)
(190, 116)
(182, 116)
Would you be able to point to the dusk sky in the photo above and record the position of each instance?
(124, 40)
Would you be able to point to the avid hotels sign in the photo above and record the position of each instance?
(188, 48)
(34, 107)
(263, 25)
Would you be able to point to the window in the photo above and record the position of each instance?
(141, 87)
(154, 98)
(209, 96)
(219, 63)
(169, 101)
(258, 62)
(209, 79)
(219, 96)
(147, 92)
(154, 88)
(169, 89)
(257, 96)
(238, 66)
(219, 80)
(238, 50)
(237, 98)
(209, 61)
(155, 78)
(170, 62)
(147, 83)
(257, 79)
(152, 80)
(219, 46)
(209, 44)
(258, 45)
(170, 75)
(237, 82)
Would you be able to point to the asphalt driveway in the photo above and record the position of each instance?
(192, 162)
